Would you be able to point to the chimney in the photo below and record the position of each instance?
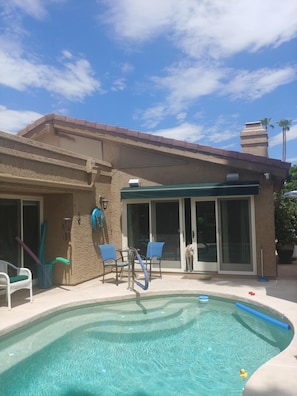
(254, 139)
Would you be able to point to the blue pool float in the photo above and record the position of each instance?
(263, 316)
(97, 219)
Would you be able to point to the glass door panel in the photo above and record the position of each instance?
(235, 235)
(138, 226)
(10, 227)
(166, 229)
(31, 232)
(155, 221)
(205, 236)
(19, 218)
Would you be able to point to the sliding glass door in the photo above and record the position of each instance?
(156, 221)
(31, 232)
(236, 240)
(220, 230)
(166, 229)
(19, 218)
(138, 226)
(222, 235)
(205, 236)
(10, 227)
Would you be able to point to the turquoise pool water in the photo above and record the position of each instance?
(173, 345)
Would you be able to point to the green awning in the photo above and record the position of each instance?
(191, 190)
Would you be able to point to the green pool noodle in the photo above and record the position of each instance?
(61, 260)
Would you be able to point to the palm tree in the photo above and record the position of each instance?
(266, 123)
(285, 125)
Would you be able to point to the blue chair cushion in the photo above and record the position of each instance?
(17, 278)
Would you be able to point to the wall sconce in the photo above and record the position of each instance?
(267, 175)
(134, 183)
(103, 202)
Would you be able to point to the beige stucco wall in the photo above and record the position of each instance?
(191, 171)
(78, 144)
(80, 247)
(63, 181)
(70, 194)
(265, 235)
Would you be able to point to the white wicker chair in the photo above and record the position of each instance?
(21, 279)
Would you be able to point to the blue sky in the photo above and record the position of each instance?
(194, 70)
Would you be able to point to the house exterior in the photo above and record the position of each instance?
(58, 169)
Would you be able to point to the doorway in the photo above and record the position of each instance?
(205, 236)
(222, 235)
(156, 221)
(221, 230)
(19, 217)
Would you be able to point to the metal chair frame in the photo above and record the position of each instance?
(154, 256)
(112, 258)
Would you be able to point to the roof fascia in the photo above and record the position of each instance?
(55, 124)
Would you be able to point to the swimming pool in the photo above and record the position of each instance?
(173, 345)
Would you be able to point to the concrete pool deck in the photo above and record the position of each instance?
(278, 377)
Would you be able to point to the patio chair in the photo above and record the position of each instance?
(112, 258)
(154, 256)
(21, 279)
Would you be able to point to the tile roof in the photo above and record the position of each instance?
(156, 140)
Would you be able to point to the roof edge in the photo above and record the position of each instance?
(157, 140)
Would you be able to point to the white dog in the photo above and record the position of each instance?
(189, 257)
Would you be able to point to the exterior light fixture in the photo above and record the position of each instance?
(103, 202)
(232, 177)
(134, 183)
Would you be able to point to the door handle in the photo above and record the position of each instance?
(193, 234)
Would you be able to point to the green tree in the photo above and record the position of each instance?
(285, 212)
(266, 123)
(291, 181)
(285, 125)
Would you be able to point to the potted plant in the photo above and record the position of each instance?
(285, 215)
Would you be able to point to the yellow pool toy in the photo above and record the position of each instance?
(243, 373)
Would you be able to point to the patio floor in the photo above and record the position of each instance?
(278, 377)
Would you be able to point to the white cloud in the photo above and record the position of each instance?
(255, 84)
(185, 131)
(34, 8)
(67, 54)
(72, 81)
(126, 68)
(14, 120)
(139, 20)
(118, 84)
(182, 86)
(181, 116)
(153, 116)
(221, 130)
(185, 83)
(207, 33)
(214, 27)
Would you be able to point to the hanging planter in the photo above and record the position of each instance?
(97, 219)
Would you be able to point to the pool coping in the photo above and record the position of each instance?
(276, 377)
